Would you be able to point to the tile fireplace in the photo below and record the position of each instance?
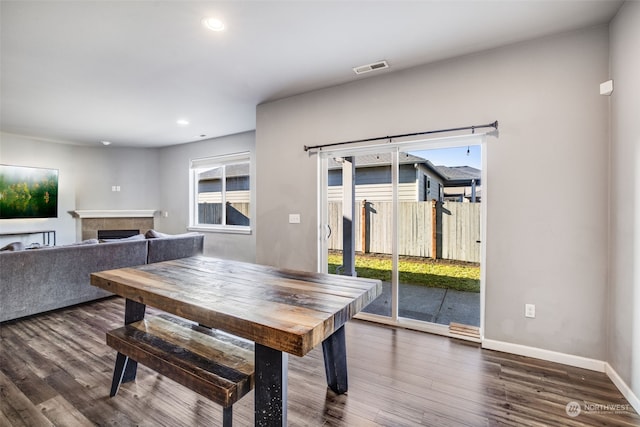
(110, 220)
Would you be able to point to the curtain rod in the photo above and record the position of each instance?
(472, 128)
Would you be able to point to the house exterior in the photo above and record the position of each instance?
(463, 183)
(419, 180)
(236, 185)
(232, 181)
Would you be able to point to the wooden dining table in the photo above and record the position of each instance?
(282, 311)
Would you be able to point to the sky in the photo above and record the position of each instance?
(456, 156)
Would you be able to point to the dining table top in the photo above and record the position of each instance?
(287, 310)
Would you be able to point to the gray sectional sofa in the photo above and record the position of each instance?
(38, 280)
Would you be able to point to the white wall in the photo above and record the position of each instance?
(149, 178)
(135, 170)
(23, 151)
(174, 179)
(86, 175)
(553, 129)
(624, 258)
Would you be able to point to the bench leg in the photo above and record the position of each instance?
(124, 371)
(335, 361)
(271, 367)
(227, 416)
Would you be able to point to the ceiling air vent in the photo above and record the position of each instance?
(380, 65)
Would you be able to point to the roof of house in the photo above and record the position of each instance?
(232, 170)
(382, 159)
(451, 175)
(459, 175)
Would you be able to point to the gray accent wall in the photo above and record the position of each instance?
(549, 248)
(624, 256)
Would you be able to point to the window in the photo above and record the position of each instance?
(221, 193)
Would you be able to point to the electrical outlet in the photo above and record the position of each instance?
(530, 310)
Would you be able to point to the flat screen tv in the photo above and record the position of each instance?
(27, 192)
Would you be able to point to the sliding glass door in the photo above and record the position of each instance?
(409, 215)
(439, 237)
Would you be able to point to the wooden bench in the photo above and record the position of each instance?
(214, 364)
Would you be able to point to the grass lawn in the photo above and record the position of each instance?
(420, 271)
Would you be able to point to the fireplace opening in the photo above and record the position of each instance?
(116, 234)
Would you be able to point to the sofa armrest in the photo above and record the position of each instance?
(168, 248)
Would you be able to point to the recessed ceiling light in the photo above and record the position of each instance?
(106, 142)
(182, 122)
(214, 24)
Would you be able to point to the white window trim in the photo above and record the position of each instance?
(210, 162)
(217, 228)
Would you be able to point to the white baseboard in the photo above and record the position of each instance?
(623, 387)
(551, 356)
(567, 359)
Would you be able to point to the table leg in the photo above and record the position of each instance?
(126, 368)
(334, 349)
(271, 367)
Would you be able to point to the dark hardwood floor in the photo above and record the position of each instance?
(55, 369)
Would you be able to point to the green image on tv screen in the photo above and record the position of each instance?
(27, 192)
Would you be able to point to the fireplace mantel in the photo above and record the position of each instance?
(90, 221)
(139, 213)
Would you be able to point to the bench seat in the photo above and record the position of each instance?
(217, 365)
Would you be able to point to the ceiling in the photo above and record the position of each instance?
(125, 71)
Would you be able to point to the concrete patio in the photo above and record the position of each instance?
(435, 305)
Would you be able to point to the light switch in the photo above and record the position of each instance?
(294, 218)
(530, 310)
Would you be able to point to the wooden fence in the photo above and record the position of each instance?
(211, 213)
(457, 229)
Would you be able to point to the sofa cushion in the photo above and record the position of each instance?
(86, 242)
(154, 234)
(124, 239)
